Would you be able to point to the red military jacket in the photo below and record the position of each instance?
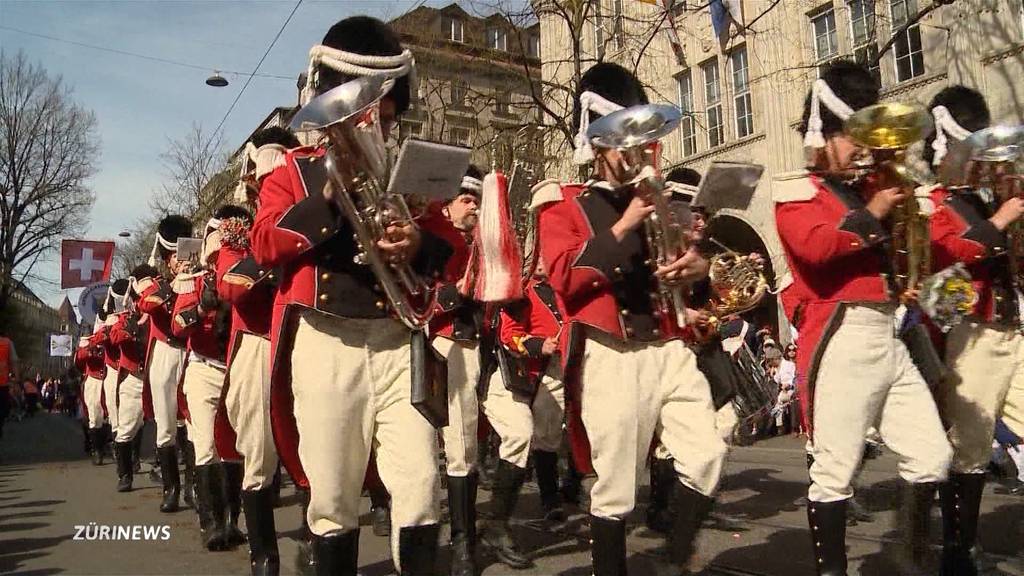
(455, 316)
(201, 327)
(297, 229)
(89, 359)
(131, 336)
(249, 289)
(604, 283)
(111, 351)
(836, 254)
(156, 299)
(526, 324)
(961, 232)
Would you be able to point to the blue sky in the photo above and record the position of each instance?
(139, 104)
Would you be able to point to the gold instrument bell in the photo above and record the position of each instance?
(887, 130)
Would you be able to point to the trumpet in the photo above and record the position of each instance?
(631, 131)
(887, 130)
(357, 168)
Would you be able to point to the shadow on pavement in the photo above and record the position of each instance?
(18, 550)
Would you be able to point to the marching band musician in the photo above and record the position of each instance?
(249, 288)
(456, 331)
(859, 372)
(131, 336)
(165, 361)
(596, 256)
(333, 336)
(524, 402)
(111, 355)
(89, 361)
(204, 322)
(984, 353)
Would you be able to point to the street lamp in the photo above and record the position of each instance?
(124, 234)
(217, 81)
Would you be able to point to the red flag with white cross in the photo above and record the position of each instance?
(85, 262)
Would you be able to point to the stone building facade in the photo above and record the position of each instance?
(743, 96)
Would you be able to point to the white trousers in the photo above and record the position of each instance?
(524, 423)
(985, 360)
(351, 381)
(725, 422)
(866, 378)
(166, 364)
(248, 409)
(110, 396)
(92, 393)
(129, 408)
(463, 411)
(202, 386)
(632, 391)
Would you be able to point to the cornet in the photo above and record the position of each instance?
(357, 166)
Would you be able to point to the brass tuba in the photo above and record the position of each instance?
(631, 131)
(990, 158)
(357, 167)
(887, 130)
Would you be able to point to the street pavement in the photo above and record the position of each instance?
(48, 487)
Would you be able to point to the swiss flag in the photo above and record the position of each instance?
(84, 262)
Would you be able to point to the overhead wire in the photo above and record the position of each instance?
(254, 71)
(141, 56)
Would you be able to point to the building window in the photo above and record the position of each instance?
(459, 135)
(741, 92)
(533, 46)
(823, 28)
(407, 128)
(502, 103)
(618, 24)
(862, 31)
(598, 31)
(907, 49)
(459, 91)
(713, 103)
(687, 134)
(455, 30)
(496, 39)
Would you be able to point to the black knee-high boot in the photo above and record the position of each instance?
(663, 480)
(337, 554)
(305, 560)
(123, 457)
(688, 511)
(210, 506)
(545, 464)
(169, 474)
(960, 498)
(264, 558)
(233, 501)
(608, 546)
(380, 509)
(462, 509)
(828, 536)
(137, 452)
(915, 518)
(508, 481)
(417, 549)
(96, 440)
(188, 458)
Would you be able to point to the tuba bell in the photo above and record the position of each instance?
(631, 131)
(357, 167)
(887, 130)
(990, 158)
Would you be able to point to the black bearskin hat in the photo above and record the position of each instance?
(369, 36)
(967, 107)
(852, 83)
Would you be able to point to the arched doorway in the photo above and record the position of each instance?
(740, 237)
